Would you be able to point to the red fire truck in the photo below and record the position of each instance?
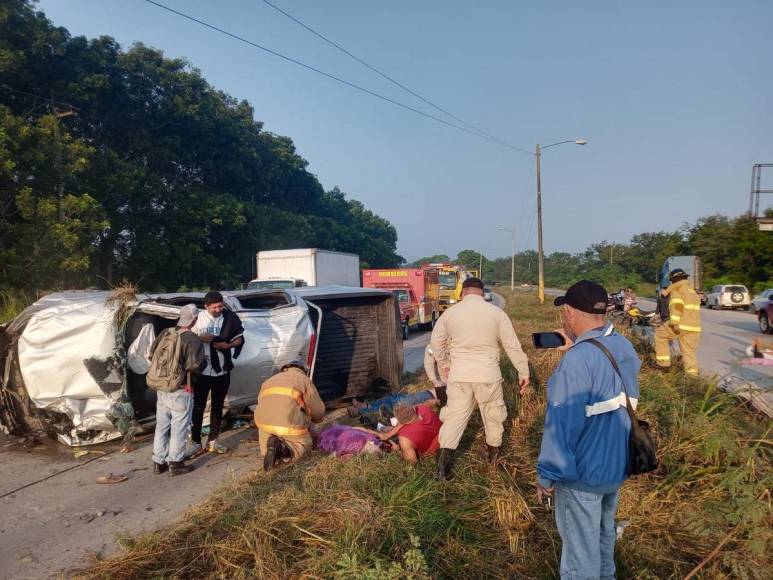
(417, 293)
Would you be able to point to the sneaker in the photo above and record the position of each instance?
(215, 447)
(193, 450)
(159, 468)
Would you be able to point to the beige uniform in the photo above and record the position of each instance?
(684, 325)
(287, 404)
(430, 367)
(466, 341)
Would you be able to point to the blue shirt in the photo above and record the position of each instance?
(585, 440)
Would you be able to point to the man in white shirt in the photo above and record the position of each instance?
(221, 331)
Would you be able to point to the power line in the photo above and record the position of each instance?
(391, 80)
(333, 77)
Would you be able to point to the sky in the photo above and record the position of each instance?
(675, 100)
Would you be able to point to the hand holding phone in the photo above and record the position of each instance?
(548, 339)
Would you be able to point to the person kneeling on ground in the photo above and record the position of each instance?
(174, 355)
(384, 406)
(287, 404)
(417, 431)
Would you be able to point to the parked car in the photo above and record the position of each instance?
(765, 317)
(761, 299)
(733, 296)
(487, 294)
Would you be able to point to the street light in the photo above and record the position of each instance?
(512, 265)
(540, 252)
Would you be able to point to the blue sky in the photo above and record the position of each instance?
(675, 99)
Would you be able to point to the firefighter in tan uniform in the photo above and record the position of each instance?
(684, 324)
(288, 402)
(465, 343)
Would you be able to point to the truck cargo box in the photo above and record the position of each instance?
(311, 266)
(359, 349)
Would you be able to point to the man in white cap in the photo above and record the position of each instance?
(175, 354)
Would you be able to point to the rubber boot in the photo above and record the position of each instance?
(272, 447)
(444, 461)
(492, 452)
(179, 468)
(159, 468)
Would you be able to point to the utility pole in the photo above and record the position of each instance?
(540, 252)
(480, 267)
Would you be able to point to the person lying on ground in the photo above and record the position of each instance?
(175, 354)
(434, 395)
(416, 431)
(384, 407)
(761, 347)
(288, 403)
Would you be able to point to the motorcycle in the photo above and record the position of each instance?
(638, 317)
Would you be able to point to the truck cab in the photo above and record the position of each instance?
(450, 279)
(416, 291)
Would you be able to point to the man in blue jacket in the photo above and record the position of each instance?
(584, 456)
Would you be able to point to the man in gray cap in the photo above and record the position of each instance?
(174, 355)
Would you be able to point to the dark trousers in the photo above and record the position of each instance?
(202, 386)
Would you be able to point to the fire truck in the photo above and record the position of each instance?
(450, 278)
(417, 293)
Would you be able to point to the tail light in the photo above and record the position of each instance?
(312, 346)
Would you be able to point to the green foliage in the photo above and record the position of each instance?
(154, 176)
(437, 258)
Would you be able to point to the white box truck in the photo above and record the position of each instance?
(305, 267)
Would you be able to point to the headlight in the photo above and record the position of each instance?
(452, 301)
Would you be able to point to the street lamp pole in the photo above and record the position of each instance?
(540, 251)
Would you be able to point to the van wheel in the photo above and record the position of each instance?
(764, 324)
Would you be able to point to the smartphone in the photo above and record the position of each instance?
(548, 339)
(547, 501)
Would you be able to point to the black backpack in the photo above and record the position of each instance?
(642, 451)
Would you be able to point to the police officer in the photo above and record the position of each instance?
(287, 404)
(465, 343)
(683, 324)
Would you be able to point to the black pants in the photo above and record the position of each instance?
(202, 386)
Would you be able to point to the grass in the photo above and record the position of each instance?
(378, 518)
(12, 302)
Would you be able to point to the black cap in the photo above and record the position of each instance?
(585, 295)
(473, 282)
(677, 274)
(212, 298)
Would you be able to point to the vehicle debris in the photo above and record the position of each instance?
(112, 478)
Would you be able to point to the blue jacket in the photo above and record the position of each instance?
(585, 441)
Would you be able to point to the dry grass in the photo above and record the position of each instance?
(379, 518)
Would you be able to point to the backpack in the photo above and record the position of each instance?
(166, 373)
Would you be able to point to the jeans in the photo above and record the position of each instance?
(202, 386)
(586, 522)
(173, 422)
(391, 400)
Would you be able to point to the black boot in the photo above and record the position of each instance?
(444, 460)
(272, 447)
(492, 452)
(159, 468)
(179, 468)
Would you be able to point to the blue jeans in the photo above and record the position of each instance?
(391, 400)
(173, 423)
(586, 522)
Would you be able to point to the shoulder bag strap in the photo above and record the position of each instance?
(611, 358)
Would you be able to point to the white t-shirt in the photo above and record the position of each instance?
(205, 324)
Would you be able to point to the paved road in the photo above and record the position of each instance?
(413, 348)
(725, 336)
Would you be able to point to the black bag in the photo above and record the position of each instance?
(642, 451)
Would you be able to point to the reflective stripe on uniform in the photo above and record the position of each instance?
(283, 431)
(673, 301)
(691, 371)
(286, 391)
(663, 357)
(609, 405)
(689, 328)
(692, 306)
